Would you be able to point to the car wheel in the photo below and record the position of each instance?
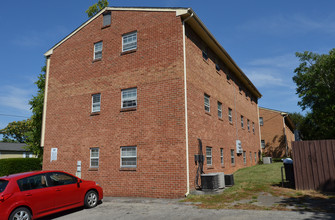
(20, 214)
(91, 199)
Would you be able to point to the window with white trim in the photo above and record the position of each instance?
(129, 41)
(253, 127)
(250, 157)
(263, 144)
(209, 155)
(242, 121)
(219, 109)
(255, 157)
(129, 98)
(261, 121)
(129, 156)
(230, 117)
(107, 19)
(221, 156)
(248, 124)
(207, 103)
(98, 50)
(94, 157)
(232, 157)
(244, 157)
(96, 102)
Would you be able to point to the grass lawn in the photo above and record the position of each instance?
(250, 182)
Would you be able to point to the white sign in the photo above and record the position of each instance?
(53, 154)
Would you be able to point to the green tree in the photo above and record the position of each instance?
(34, 136)
(16, 131)
(315, 79)
(95, 8)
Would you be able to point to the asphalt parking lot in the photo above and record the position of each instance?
(146, 208)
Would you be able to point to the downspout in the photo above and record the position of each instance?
(186, 116)
(260, 137)
(45, 101)
(286, 146)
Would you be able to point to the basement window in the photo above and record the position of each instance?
(209, 156)
(129, 156)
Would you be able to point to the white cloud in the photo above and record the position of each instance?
(16, 98)
(288, 61)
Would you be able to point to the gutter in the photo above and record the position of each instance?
(186, 115)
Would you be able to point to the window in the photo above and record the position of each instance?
(255, 157)
(248, 124)
(129, 41)
(107, 19)
(244, 157)
(228, 77)
(220, 109)
(207, 103)
(217, 67)
(230, 117)
(204, 54)
(128, 156)
(32, 182)
(261, 121)
(98, 50)
(240, 89)
(263, 144)
(3, 184)
(58, 179)
(209, 156)
(253, 127)
(94, 157)
(250, 157)
(221, 156)
(96, 101)
(242, 122)
(129, 98)
(232, 157)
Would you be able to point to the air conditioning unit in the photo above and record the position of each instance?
(239, 149)
(229, 179)
(221, 180)
(209, 181)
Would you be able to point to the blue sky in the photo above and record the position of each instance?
(261, 36)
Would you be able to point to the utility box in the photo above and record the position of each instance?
(267, 160)
(209, 181)
(221, 180)
(229, 179)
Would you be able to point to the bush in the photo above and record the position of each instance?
(19, 165)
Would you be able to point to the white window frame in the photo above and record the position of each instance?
(242, 121)
(94, 157)
(221, 156)
(219, 109)
(253, 127)
(263, 144)
(126, 156)
(255, 157)
(261, 122)
(230, 117)
(97, 50)
(244, 157)
(232, 156)
(207, 102)
(129, 36)
(96, 104)
(209, 150)
(127, 99)
(248, 124)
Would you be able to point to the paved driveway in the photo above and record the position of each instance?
(144, 208)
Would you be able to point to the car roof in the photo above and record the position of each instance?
(26, 174)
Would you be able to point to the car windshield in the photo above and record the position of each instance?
(3, 184)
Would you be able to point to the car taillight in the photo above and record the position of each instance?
(4, 197)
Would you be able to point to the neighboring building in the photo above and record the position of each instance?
(129, 93)
(277, 132)
(14, 150)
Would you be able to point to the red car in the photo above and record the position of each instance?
(40, 193)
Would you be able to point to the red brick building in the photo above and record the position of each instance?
(130, 92)
(277, 132)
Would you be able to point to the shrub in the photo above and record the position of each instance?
(19, 165)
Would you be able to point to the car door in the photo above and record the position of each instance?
(66, 188)
(36, 193)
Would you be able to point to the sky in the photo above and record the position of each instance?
(261, 36)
